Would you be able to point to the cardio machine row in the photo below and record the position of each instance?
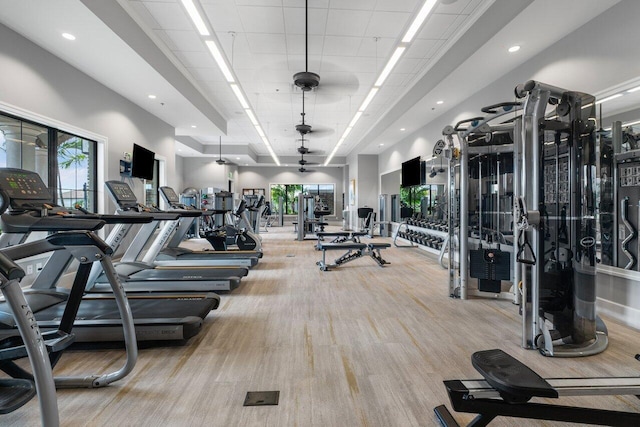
(95, 308)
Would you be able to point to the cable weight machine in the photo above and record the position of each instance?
(557, 238)
(486, 187)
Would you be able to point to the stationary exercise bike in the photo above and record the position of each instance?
(229, 234)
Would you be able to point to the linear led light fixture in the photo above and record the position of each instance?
(609, 98)
(392, 63)
(355, 119)
(369, 98)
(222, 64)
(635, 89)
(252, 117)
(192, 10)
(238, 92)
(420, 18)
(260, 131)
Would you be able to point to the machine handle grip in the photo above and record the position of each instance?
(492, 109)
(473, 119)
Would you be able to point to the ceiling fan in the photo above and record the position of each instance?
(220, 160)
(302, 149)
(306, 80)
(302, 162)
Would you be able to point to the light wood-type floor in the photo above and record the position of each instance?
(358, 346)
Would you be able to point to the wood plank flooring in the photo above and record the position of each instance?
(357, 346)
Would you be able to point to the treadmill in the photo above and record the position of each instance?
(30, 207)
(172, 254)
(145, 276)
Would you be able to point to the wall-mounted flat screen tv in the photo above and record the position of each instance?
(411, 173)
(142, 163)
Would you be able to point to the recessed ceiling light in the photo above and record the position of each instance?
(68, 36)
(152, 97)
(440, 102)
(514, 49)
(402, 129)
(194, 126)
(246, 164)
(179, 149)
(380, 145)
(237, 158)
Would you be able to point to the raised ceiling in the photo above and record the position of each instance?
(139, 47)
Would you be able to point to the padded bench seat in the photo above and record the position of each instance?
(339, 236)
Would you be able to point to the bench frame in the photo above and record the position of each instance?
(353, 251)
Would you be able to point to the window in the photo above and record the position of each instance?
(426, 200)
(151, 187)
(76, 171)
(67, 163)
(24, 145)
(289, 194)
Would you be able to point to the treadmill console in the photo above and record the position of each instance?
(170, 195)
(121, 194)
(21, 188)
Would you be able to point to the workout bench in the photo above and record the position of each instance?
(339, 236)
(354, 250)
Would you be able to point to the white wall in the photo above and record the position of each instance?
(204, 172)
(367, 182)
(42, 85)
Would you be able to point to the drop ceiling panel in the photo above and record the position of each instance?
(258, 2)
(347, 22)
(258, 61)
(296, 44)
(315, 4)
(351, 4)
(341, 46)
(397, 5)
(350, 63)
(294, 20)
(379, 48)
(262, 19)
(223, 16)
(387, 24)
(267, 43)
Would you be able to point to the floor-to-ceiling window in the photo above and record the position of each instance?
(289, 194)
(76, 171)
(151, 187)
(67, 163)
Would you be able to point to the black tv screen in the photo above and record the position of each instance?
(142, 163)
(411, 173)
